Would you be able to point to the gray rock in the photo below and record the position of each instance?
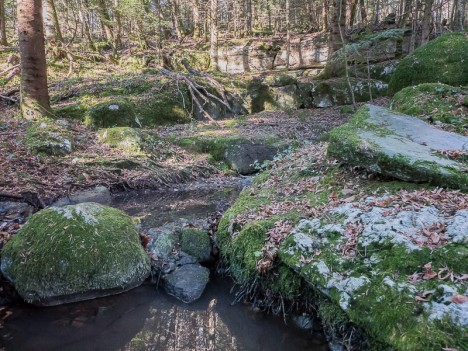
(242, 157)
(187, 282)
(100, 194)
(400, 146)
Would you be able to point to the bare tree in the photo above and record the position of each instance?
(35, 101)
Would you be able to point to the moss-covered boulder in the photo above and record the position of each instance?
(372, 48)
(400, 146)
(48, 138)
(129, 140)
(113, 113)
(443, 60)
(435, 102)
(74, 253)
(196, 243)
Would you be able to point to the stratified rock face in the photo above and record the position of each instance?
(75, 253)
(187, 282)
(401, 146)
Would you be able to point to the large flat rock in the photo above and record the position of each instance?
(401, 146)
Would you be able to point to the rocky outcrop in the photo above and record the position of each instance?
(376, 254)
(256, 55)
(401, 146)
(75, 253)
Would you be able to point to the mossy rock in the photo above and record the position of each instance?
(372, 48)
(435, 102)
(196, 243)
(48, 138)
(113, 113)
(400, 146)
(443, 60)
(336, 91)
(75, 253)
(129, 140)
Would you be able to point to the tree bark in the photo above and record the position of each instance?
(324, 15)
(288, 33)
(35, 101)
(3, 35)
(338, 22)
(118, 26)
(214, 34)
(52, 25)
(426, 21)
(105, 21)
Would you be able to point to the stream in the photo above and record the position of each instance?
(146, 318)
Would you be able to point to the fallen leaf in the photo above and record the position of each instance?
(422, 299)
(429, 274)
(459, 299)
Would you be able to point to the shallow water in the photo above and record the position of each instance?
(148, 319)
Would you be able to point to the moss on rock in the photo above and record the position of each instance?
(196, 243)
(75, 253)
(129, 140)
(48, 138)
(443, 60)
(435, 102)
(113, 113)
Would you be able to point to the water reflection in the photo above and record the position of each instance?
(148, 319)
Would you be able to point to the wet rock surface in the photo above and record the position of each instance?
(187, 282)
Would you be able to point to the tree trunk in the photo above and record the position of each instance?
(248, 18)
(3, 36)
(324, 15)
(352, 12)
(214, 34)
(118, 26)
(362, 6)
(338, 22)
(35, 101)
(105, 21)
(288, 33)
(196, 19)
(426, 21)
(175, 18)
(52, 26)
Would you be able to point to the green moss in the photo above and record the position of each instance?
(435, 101)
(131, 141)
(61, 252)
(216, 147)
(196, 243)
(114, 113)
(48, 138)
(442, 60)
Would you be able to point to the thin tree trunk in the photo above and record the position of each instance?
(84, 17)
(175, 18)
(118, 26)
(362, 6)
(214, 34)
(35, 101)
(3, 35)
(52, 26)
(248, 17)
